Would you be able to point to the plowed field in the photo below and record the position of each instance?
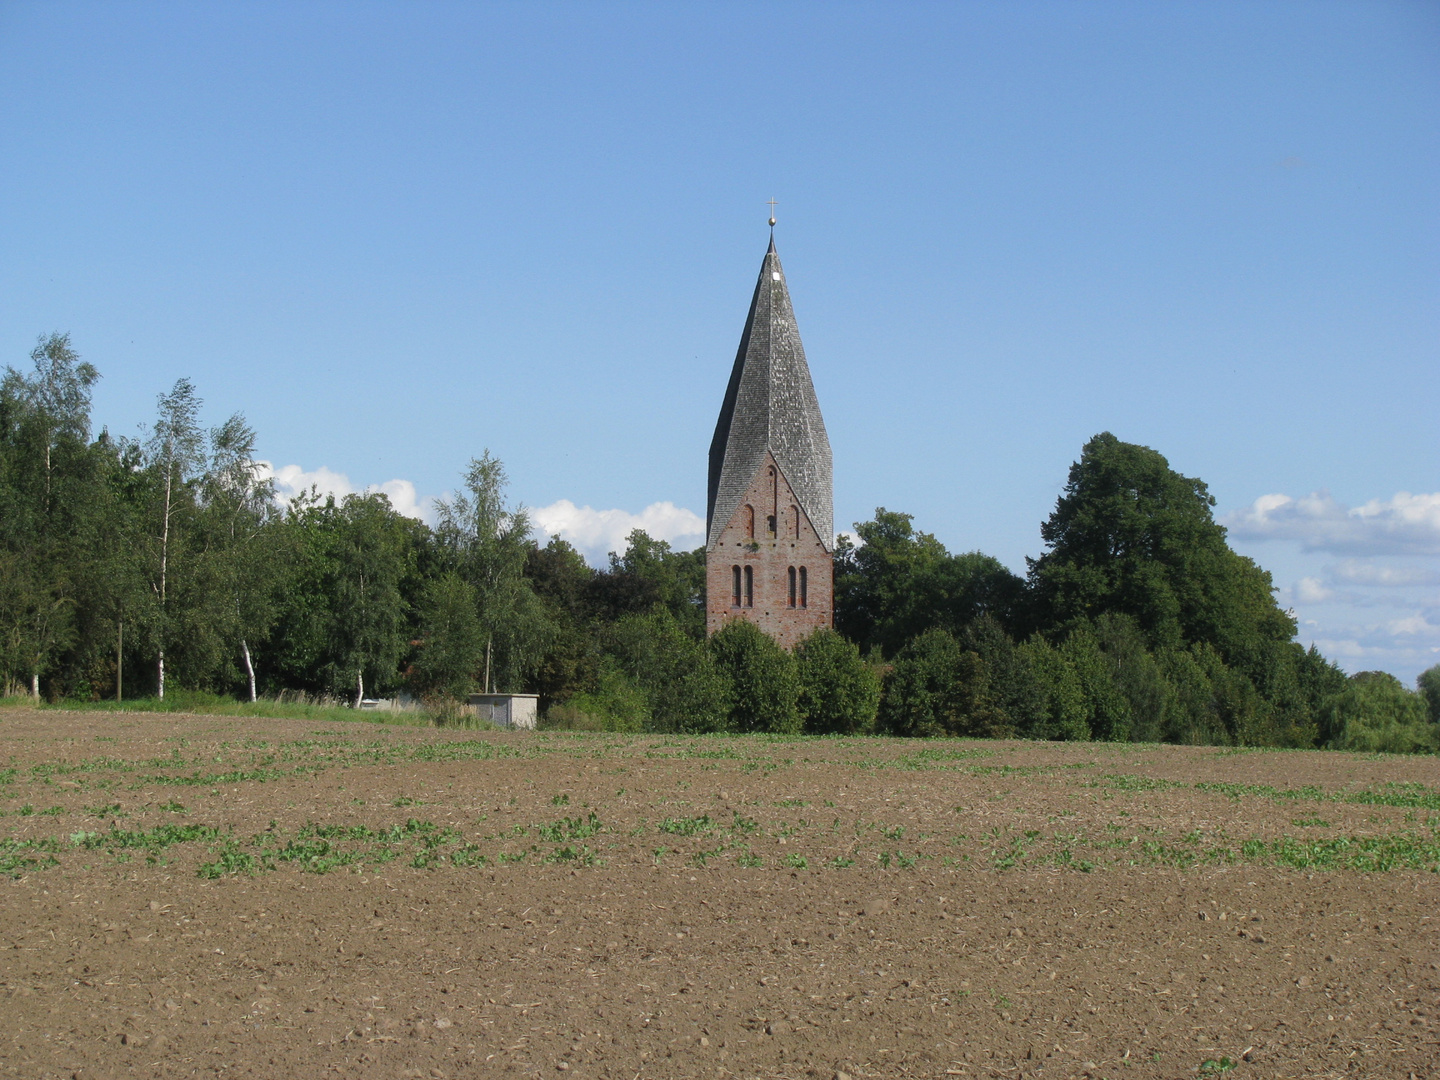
(203, 896)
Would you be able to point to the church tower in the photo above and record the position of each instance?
(769, 517)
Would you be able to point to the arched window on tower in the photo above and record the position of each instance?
(795, 522)
(735, 587)
(749, 586)
(791, 596)
(772, 520)
(804, 588)
(750, 522)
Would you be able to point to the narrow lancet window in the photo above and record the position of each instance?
(735, 590)
(774, 515)
(795, 522)
(749, 586)
(750, 522)
(792, 587)
(804, 588)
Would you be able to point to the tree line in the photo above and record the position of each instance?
(129, 565)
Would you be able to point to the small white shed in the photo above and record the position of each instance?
(507, 710)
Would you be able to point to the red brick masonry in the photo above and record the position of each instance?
(748, 542)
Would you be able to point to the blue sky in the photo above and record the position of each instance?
(394, 235)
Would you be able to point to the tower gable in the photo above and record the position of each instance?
(768, 563)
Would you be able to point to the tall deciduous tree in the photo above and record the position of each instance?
(648, 574)
(115, 538)
(1131, 536)
(372, 556)
(451, 635)
(564, 582)
(487, 544)
(899, 582)
(244, 555)
(56, 397)
(44, 464)
(175, 455)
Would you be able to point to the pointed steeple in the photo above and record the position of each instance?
(770, 405)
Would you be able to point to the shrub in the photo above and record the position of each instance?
(1065, 710)
(1428, 684)
(452, 641)
(685, 689)
(616, 704)
(839, 692)
(938, 688)
(1192, 719)
(1016, 692)
(764, 687)
(1375, 713)
(1107, 709)
(445, 711)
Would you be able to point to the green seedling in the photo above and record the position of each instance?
(691, 826)
(571, 828)
(1215, 1066)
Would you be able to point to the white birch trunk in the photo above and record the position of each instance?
(359, 687)
(164, 566)
(249, 666)
(35, 685)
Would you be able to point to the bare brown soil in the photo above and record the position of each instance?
(394, 903)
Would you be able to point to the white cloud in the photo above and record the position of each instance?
(1404, 645)
(1405, 524)
(405, 501)
(1365, 572)
(596, 533)
(1309, 590)
(1386, 582)
(292, 480)
(1412, 625)
(1377, 608)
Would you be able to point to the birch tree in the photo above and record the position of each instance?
(56, 398)
(176, 453)
(487, 544)
(372, 557)
(239, 505)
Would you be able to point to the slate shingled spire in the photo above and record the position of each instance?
(770, 405)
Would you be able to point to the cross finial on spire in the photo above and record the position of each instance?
(773, 204)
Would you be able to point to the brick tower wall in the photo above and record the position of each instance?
(748, 542)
